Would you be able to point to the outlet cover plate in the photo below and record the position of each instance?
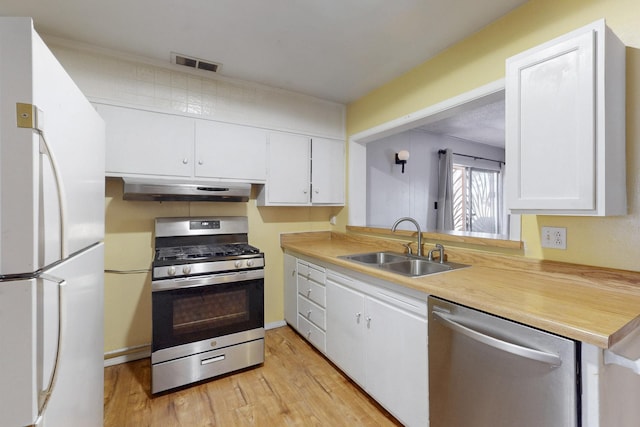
(554, 237)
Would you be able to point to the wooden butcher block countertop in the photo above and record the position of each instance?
(598, 306)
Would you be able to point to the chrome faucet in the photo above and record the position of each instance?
(440, 250)
(406, 218)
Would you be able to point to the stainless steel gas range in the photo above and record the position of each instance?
(208, 300)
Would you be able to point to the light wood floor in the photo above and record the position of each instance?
(296, 386)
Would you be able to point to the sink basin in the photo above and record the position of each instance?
(416, 267)
(375, 257)
(407, 265)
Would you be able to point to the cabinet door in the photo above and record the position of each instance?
(290, 291)
(345, 334)
(230, 151)
(148, 143)
(288, 169)
(396, 361)
(553, 101)
(328, 171)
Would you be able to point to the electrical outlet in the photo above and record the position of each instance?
(554, 237)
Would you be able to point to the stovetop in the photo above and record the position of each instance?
(204, 252)
(196, 246)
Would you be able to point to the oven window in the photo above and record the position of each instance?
(209, 311)
(189, 315)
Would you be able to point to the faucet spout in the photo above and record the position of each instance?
(406, 218)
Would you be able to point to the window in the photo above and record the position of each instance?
(477, 199)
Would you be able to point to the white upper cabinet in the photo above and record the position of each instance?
(143, 143)
(288, 170)
(228, 151)
(565, 126)
(148, 143)
(327, 171)
(303, 171)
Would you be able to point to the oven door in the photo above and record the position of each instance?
(199, 309)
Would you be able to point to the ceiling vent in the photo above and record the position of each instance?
(198, 64)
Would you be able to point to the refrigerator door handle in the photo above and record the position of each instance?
(518, 350)
(62, 198)
(45, 394)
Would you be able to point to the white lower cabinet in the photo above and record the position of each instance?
(311, 303)
(379, 338)
(291, 290)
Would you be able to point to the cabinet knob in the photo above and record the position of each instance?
(358, 315)
(309, 292)
(308, 314)
(304, 191)
(368, 321)
(317, 191)
(200, 162)
(185, 161)
(309, 334)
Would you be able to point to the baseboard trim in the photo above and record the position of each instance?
(274, 325)
(127, 354)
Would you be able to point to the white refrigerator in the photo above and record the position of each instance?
(51, 239)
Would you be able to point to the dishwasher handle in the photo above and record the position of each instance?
(518, 350)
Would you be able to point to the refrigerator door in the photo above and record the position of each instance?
(44, 217)
(64, 304)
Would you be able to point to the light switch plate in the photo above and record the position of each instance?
(554, 237)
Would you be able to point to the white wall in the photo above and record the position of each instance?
(391, 194)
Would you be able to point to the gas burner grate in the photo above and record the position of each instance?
(204, 251)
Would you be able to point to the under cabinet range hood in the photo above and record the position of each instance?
(191, 191)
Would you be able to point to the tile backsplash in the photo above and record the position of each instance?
(110, 78)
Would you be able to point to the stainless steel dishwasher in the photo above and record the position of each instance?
(485, 371)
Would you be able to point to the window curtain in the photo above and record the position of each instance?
(504, 223)
(444, 217)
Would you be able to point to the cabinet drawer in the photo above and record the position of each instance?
(317, 274)
(312, 333)
(311, 312)
(311, 271)
(312, 290)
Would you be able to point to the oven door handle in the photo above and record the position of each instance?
(208, 280)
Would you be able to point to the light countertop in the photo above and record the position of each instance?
(589, 304)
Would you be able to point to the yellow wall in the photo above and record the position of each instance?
(480, 59)
(129, 246)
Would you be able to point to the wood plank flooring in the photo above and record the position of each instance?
(296, 386)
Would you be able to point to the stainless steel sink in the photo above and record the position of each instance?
(407, 265)
(375, 257)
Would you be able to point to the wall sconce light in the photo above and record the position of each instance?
(401, 158)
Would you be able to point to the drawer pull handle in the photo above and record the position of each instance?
(308, 314)
(309, 334)
(212, 360)
(309, 292)
(358, 315)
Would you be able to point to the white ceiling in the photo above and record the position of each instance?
(484, 124)
(333, 49)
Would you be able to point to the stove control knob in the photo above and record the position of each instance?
(186, 269)
(171, 271)
(250, 263)
(238, 264)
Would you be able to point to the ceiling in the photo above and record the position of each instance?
(333, 49)
(484, 124)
